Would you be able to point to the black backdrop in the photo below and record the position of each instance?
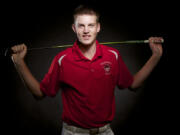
(37, 26)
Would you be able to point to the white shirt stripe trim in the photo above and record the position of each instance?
(115, 53)
(60, 59)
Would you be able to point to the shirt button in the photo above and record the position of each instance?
(92, 70)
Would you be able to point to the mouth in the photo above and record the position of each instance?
(86, 37)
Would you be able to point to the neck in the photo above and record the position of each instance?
(88, 50)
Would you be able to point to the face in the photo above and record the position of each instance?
(86, 27)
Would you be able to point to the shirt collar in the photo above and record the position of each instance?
(79, 56)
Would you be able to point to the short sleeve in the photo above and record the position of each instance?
(50, 83)
(125, 78)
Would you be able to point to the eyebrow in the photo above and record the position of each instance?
(88, 24)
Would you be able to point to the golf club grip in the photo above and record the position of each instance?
(159, 42)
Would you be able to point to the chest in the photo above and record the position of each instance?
(85, 71)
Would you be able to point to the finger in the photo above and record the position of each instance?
(151, 40)
(19, 48)
(14, 49)
(24, 47)
(159, 40)
(156, 40)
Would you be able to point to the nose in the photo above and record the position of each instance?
(86, 30)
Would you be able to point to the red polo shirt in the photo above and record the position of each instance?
(87, 86)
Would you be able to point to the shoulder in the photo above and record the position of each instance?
(64, 52)
(61, 55)
(110, 51)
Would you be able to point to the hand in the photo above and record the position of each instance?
(156, 46)
(19, 52)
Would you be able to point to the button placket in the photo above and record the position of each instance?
(92, 70)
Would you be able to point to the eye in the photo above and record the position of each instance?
(91, 25)
(80, 25)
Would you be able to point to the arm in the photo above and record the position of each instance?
(145, 71)
(30, 81)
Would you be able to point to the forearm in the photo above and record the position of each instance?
(145, 71)
(29, 80)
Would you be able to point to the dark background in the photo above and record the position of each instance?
(46, 24)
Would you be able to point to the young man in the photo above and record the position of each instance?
(87, 74)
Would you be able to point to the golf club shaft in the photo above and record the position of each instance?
(9, 51)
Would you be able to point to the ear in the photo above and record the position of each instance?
(98, 27)
(73, 27)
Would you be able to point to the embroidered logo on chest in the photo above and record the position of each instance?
(106, 65)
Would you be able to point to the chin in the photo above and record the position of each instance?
(88, 42)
